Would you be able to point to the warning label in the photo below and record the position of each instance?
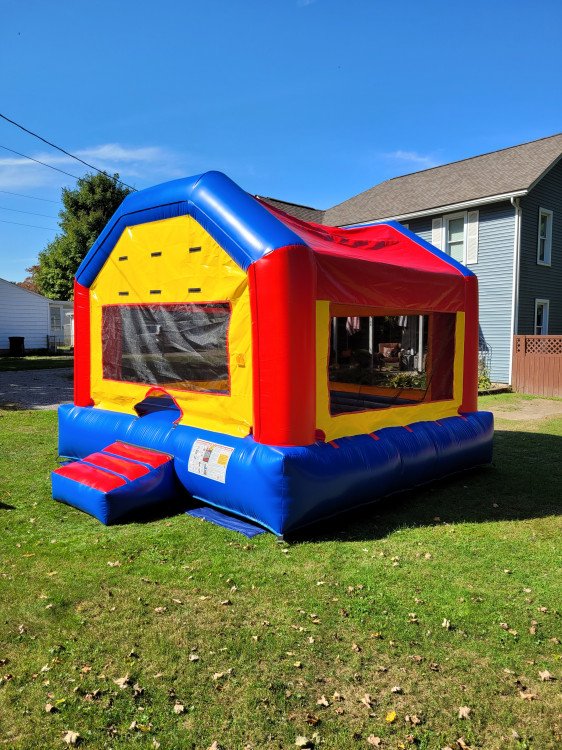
(209, 460)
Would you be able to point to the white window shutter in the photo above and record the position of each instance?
(472, 237)
(437, 233)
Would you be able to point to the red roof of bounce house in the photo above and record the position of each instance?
(381, 265)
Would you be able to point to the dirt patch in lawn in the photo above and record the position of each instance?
(528, 409)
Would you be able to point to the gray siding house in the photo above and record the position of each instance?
(501, 215)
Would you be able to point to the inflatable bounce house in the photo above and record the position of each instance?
(278, 370)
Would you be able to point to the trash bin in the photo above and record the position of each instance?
(17, 346)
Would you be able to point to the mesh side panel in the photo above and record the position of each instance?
(183, 346)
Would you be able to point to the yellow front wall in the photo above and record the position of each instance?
(174, 272)
(368, 421)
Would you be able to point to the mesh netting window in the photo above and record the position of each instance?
(182, 346)
(377, 362)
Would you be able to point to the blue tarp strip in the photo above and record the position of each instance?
(227, 522)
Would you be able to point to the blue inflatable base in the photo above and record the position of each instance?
(284, 489)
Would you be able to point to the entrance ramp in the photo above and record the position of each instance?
(110, 483)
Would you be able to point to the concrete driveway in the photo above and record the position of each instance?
(36, 389)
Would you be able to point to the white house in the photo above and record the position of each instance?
(36, 318)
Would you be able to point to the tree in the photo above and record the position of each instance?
(29, 282)
(87, 209)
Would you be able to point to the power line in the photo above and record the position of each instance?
(72, 156)
(33, 197)
(33, 226)
(11, 150)
(32, 213)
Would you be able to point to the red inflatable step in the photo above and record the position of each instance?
(128, 469)
(91, 476)
(144, 455)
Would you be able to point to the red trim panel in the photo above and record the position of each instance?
(128, 469)
(283, 300)
(470, 374)
(146, 456)
(82, 395)
(359, 281)
(90, 476)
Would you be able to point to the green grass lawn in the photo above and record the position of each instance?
(39, 362)
(381, 625)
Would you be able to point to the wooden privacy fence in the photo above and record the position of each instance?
(537, 365)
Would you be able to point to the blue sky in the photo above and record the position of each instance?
(305, 100)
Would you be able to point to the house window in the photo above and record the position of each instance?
(541, 317)
(544, 243)
(455, 237)
(181, 346)
(56, 320)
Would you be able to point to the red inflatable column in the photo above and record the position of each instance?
(283, 299)
(470, 375)
(82, 395)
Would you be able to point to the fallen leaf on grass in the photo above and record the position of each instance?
(115, 564)
(193, 657)
(50, 709)
(374, 741)
(546, 676)
(123, 682)
(413, 720)
(396, 689)
(137, 690)
(179, 708)
(71, 738)
(464, 712)
(86, 668)
(220, 675)
(366, 700)
(338, 697)
(215, 746)
(226, 603)
(390, 717)
(322, 701)
(301, 742)
(160, 610)
(527, 695)
(356, 648)
(446, 624)
(312, 720)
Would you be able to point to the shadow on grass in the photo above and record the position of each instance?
(524, 481)
(5, 506)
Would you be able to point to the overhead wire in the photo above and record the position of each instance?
(31, 213)
(33, 226)
(11, 150)
(32, 197)
(62, 150)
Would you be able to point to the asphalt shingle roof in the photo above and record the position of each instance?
(304, 213)
(507, 171)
